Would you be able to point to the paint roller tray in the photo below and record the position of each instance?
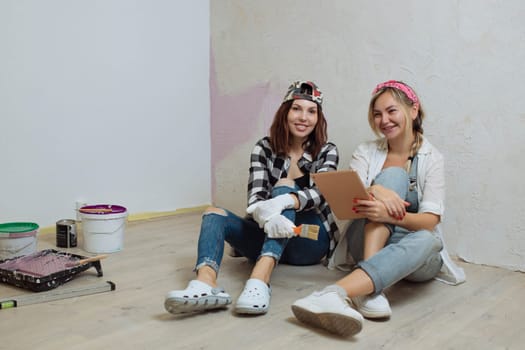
(44, 270)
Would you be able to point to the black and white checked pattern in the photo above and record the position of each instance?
(266, 168)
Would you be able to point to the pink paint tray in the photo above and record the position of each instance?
(44, 270)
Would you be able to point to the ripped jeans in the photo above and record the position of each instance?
(406, 255)
(245, 236)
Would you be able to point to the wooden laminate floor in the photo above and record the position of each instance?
(486, 312)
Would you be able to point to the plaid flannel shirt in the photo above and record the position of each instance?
(266, 168)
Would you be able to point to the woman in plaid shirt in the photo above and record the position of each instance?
(281, 196)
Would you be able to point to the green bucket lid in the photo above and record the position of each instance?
(18, 227)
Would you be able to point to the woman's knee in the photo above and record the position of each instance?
(214, 215)
(393, 178)
(285, 182)
(430, 245)
(429, 242)
(283, 186)
(428, 270)
(215, 210)
(392, 173)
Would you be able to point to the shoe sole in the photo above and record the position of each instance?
(250, 310)
(374, 313)
(188, 305)
(332, 322)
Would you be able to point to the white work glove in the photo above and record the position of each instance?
(279, 227)
(263, 211)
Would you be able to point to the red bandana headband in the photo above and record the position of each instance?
(398, 86)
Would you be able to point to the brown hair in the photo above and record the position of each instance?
(280, 133)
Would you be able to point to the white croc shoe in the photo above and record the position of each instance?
(254, 299)
(198, 296)
(330, 310)
(376, 306)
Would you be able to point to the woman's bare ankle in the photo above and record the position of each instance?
(207, 275)
(263, 269)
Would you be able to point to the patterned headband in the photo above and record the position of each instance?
(398, 85)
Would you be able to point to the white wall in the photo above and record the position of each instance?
(103, 101)
(464, 58)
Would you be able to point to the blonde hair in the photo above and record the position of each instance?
(406, 104)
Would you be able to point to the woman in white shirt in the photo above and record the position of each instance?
(397, 239)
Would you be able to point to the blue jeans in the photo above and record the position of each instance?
(245, 236)
(407, 255)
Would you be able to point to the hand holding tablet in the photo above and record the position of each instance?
(339, 188)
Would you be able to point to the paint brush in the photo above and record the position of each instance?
(95, 210)
(85, 261)
(307, 231)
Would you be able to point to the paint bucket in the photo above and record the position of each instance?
(17, 239)
(103, 227)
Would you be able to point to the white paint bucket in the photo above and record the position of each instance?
(103, 227)
(17, 239)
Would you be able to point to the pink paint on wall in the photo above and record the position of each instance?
(234, 118)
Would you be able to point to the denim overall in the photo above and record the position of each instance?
(411, 255)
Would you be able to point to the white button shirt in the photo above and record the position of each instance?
(368, 160)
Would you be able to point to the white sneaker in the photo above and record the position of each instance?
(329, 309)
(376, 306)
(254, 299)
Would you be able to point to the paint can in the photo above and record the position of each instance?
(17, 239)
(103, 227)
(66, 233)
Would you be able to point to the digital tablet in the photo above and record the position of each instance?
(339, 188)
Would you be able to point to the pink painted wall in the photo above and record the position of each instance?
(238, 120)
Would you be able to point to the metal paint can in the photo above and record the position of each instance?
(66, 233)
